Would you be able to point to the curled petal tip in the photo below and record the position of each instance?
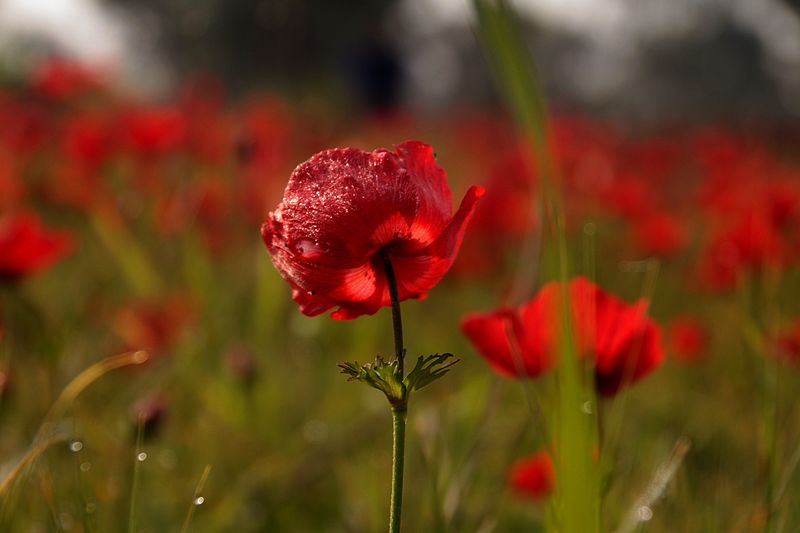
(476, 191)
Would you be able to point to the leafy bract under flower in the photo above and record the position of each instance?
(344, 209)
(624, 343)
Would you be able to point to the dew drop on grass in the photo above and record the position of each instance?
(86, 466)
(90, 507)
(199, 501)
(644, 513)
(586, 407)
(142, 456)
(76, 446)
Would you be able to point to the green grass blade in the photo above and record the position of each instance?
(577, 500)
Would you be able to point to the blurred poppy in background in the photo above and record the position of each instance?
(623, 343)
(533, 476)
(26, 246)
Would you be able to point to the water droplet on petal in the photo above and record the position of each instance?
(308, 250)
(76, 446)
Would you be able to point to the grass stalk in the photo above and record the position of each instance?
(577, 499)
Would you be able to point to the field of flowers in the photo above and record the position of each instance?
(156, 374)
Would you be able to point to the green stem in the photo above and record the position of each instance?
(399, 409)
(136, 468)
(397, 321)
(398, 460)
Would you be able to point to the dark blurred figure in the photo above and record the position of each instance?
(375, 74)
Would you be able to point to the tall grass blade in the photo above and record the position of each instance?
(44, 438)
(642, 508)
(574, 424)
(125, 250)
(197, 499)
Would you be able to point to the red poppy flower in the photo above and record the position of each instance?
(154, 325)
(11, 187)
(87, 140)
(687, 338)
(510, 340)
(534, 476)
(27, 247)
(660, 233)
(60, 79)
(751, 244)
(155, 130)
(344, 208)
(503, 216)
(624, 343)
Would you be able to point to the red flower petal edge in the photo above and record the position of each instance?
(344, 208)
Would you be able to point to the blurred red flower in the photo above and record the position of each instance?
(60, 79)
(533, 476)
(787, 343)
(154, 325)
(27, 247)
(629, 197)
(687, 338)
(267, 141)
(751, 244)
(11, 187)
(624, 344)
(504, 215)
(155, 130)
(344, 208)
(659, 233)
(511, 340)
(87, 140)
(24, 128)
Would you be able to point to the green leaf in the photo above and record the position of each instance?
(381, 375)
(428, 369)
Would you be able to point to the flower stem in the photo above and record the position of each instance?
(397, 321)
(398, 459)
(399, 409)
